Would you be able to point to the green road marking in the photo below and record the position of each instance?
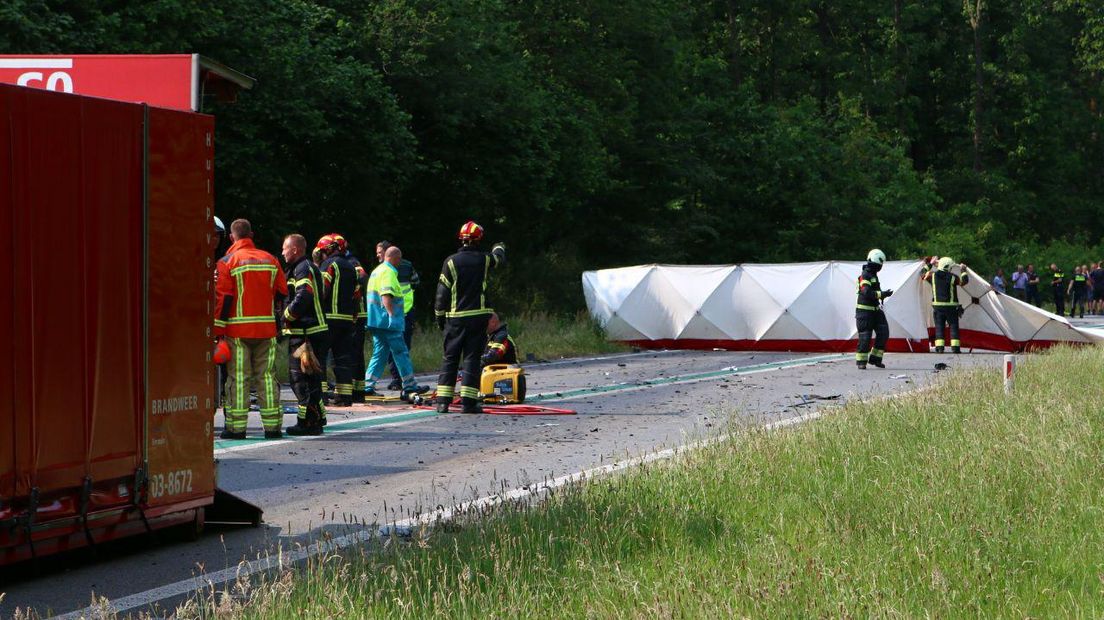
(350, 425)
(804, 361)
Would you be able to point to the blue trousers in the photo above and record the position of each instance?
(385, 344)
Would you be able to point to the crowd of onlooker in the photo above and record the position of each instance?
(1084, 287)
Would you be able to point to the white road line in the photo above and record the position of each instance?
(288, 557)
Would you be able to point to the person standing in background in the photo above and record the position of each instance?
(1058, 287)
(1097, 278)
(1033, 287)
(1078, 287)
(1019, 283)
(1088, 287)
(998, 281)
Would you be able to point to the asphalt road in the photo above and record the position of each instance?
(378, 464)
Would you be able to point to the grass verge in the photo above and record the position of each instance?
(957, 501)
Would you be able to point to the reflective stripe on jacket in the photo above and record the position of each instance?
(869, 290)
(303, 314)
(339, 302)
(249, 282)
(462, 287)
(500, 348)
(945, 287)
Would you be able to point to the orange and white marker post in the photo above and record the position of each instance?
(1009, 371)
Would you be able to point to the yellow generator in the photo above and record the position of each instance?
(503, 384)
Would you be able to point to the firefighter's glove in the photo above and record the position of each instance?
(886, 294)
(441, 323)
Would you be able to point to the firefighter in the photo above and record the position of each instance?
(249, 282)
(408, 281)
(386, 322)
(501, 348)
(339, 304)
(308, 337)
(360, 329)
(462, 312)
(945, 307)
(869, 315)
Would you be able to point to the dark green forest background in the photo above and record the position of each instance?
(598, 133)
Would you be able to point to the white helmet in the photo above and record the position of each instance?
(876, 256)
(219, 227)
(945, 263)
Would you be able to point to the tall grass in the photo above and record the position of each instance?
(958, 501)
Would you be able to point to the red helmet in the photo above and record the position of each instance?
(342, 244)
(222, 352)
(471, 232)
(326, 243)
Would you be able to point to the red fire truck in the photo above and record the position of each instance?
(106, 383)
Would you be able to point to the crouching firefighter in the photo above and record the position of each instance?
(463, 314)
(308, 336)
(869, 316)
(500, 346)
(945, 307)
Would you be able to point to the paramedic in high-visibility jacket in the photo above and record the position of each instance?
(386, 322)
(249, 282)
(462, 312)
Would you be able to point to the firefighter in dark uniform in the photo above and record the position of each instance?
(945, 307)
(340, 304)
(869, 316)
(462, 312)
(360, 329)
(1058, 285)
(501, 348)
(305, 324)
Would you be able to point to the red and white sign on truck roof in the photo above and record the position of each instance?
(177, 81)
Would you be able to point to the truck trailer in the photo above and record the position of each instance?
(106, 384)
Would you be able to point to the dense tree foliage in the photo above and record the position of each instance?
(594, 133)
